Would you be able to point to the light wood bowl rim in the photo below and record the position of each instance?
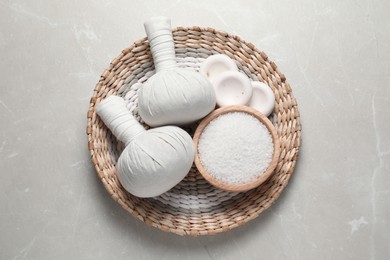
(245, 186)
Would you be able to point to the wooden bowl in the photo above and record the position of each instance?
(242, 186)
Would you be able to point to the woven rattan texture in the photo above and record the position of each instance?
(194, 207)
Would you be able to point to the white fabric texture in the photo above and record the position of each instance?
(154, 160)
(173, 95)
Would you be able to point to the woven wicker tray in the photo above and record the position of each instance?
(194, 207)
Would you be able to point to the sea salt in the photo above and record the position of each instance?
(235, 148)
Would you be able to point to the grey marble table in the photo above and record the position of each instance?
(335, 55)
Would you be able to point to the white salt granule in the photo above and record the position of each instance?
(235, 148)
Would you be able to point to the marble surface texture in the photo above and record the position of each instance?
(335, 55)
